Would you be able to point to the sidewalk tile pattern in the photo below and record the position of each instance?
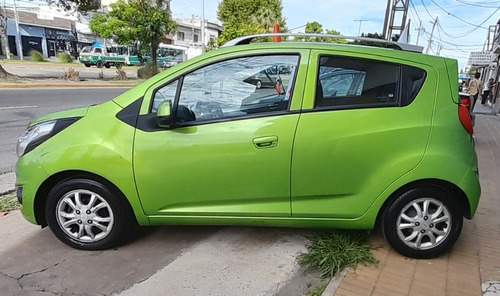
(471, 268)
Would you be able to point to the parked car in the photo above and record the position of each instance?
(356, 137)
(265, 78)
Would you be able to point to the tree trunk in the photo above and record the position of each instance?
(6, 75)
(3, 34)
(154, 56)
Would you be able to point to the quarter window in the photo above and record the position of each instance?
(234, 88)
(345, 82)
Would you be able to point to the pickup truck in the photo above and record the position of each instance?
(97, 56)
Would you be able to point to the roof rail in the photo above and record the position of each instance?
(400, 46)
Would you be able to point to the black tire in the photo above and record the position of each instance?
(99, 64)
(119, 65)
(107, 217)
(87, 65)
(107, 65)
(438, 228)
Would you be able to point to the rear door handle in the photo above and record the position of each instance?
(266, 142)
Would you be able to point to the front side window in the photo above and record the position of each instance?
(234, 88)
(345, 81)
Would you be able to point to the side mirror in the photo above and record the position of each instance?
(164, 116)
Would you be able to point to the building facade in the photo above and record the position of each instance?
(51, 31)
(42, 32)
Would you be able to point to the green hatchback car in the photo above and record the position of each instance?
(350, 137)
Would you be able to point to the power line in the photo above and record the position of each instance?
(459, 18)
(476, 5)
(474, 29)
(425, 6)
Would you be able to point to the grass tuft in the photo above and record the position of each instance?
(9, 203)
(331, 252)
(65, 57)
(36, 56)
(318, 291)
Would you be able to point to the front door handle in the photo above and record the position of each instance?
(266, 142)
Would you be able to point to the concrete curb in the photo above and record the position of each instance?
(335, 282)
(7, 183)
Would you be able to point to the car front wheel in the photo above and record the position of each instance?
(423, 222)
(87, 215)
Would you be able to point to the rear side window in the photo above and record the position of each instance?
(356, 83)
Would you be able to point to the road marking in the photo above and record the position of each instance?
(17, 107)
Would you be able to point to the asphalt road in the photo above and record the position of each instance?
(20, 106)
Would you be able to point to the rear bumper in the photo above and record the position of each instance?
(472, 188)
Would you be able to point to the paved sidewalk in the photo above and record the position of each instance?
(472, 267)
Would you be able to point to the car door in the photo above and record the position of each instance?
(229, 151)
(363, 129)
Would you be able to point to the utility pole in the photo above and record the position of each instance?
(19, 44)
(395, 7)
(359, 28)
(192, 27)
(432, 33)
(420, 29)
(202, 26)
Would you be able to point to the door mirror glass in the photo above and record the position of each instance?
(164, 116)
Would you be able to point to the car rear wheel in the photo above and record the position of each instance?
(87, 215)
(99, 64)
(107, 65)
(258, 84)
(87, 65)
(423, 222)
(118, 65)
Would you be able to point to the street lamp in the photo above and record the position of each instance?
(359, 28)
(192, 27)
(202, 26)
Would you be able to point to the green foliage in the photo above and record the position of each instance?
(81, 5)
(317, 28)
(371, 43)
(149, 70)
(318, 291)
(331, 252)
(248, 17)
(9, 203)
(65, 57)
(36, 56)
(314, 27)
(142, 23)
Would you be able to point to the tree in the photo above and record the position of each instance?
(317, 28)
(374, 36)
(143, 23)
(247, 17)
(3, 33)
(82, 6)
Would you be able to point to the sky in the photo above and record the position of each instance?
(462, 24)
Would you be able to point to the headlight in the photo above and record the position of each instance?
(34, 136)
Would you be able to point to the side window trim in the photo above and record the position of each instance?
(290, 88)
(397, 88)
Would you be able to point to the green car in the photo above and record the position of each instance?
(350, 137)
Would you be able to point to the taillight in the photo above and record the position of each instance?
(465, 118)
(466, 102)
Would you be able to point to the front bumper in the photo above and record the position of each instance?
(30, 177)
